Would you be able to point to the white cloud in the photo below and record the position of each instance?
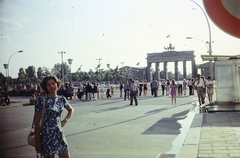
(10, 23)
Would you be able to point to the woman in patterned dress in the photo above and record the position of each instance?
(173, 87)
(52, 140)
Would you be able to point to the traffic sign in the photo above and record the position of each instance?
(225, 14)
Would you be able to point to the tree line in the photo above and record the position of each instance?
(31, 75)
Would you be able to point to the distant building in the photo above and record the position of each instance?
(133, 72)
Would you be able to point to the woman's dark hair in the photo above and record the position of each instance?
(43, 84)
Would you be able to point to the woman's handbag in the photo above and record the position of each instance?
(31, 135)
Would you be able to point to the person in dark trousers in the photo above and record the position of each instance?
(108, 90)
(163, 84)
(126, 90)
(88, 92)
(121, 88)
(190, 85)
(179, 88)
(154, 87)
(94, 91)
(140, 87)
(133, 92)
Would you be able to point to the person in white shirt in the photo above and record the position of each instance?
(133, 92)
(200, 86)
(102, 87)
(107, 86)
(209, 85)
(137, 83)
(163, 84)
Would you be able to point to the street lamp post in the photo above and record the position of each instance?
(91, 74)
(108, 66)
(8, 65)
(6, 68)
(210, 38)
(122, 69)
(62, 66)
(70, 63)
(99, 59)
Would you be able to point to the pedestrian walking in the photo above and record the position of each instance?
(102, 89)
(200, 89)
(209, 85)
(154, 86)
(190, 86)
(121, 88)
(108, 90)
(133, 93)
(140, 87)
(88, 91)
(193, 86)
(94, 91)
(180, 90)
(173, 87)
(52, 140)
(184, 86)
(126, 89)
(137, 83)
(112, 90)
(163, 84)
(69, 91)
(168, 87)
(145, 87)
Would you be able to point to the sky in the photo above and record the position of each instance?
(113, 31)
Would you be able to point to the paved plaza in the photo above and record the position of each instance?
(109, 128)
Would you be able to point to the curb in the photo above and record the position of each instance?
(191, 142)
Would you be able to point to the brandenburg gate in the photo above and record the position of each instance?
(169, 56)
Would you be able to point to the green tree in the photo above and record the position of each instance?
(22, 76)
(114, 73)
(85, 76)
(78, 74)
(40, 74)
(66, 70)
(46, 71)
(126, 72)
(31, 74)
(180, 75)
(56, 70)
(170, 75)
(3, 79)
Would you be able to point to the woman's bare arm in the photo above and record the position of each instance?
(38, 146)
(68, 116)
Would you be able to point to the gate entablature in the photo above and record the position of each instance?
(170, 56)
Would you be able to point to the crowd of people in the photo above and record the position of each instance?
(129, 89)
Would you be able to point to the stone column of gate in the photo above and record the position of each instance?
(202, 71)
(157, 71)
(149, 74)
(194, 71)
(176, 70)
(165, 70)
(184, 70)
